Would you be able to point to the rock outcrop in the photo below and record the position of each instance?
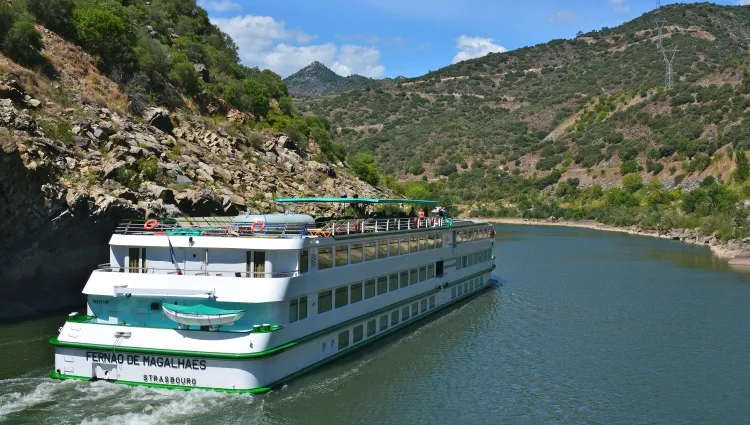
(68, 176)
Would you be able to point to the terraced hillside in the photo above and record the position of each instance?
(592, 108)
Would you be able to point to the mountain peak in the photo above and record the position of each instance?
(318, 79)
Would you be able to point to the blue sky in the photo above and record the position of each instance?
(388, 38)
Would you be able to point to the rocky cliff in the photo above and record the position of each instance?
(69, 174)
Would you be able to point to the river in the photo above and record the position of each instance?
(589, 328)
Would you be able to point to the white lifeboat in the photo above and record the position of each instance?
(201, 315)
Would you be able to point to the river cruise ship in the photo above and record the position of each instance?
(246, 304)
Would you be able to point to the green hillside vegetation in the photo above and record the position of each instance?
(163, 52)
(566, 128)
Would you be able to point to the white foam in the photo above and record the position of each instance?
(16, 400)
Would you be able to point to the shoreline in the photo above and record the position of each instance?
(736, 252)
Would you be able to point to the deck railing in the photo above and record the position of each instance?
(173, 271)
(225, 227)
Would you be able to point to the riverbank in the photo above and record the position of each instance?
(736, 252)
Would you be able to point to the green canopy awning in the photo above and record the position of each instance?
(199, 309)
(356, 201)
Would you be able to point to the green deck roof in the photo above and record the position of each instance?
(356, 200)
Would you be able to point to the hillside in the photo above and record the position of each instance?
(592, 108)
(85, 143)
(316, 79)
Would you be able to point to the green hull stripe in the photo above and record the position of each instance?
(270, 352)
(261, 390)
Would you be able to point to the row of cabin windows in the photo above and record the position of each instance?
(473, 235)
(356, 292)
(355, 253)
(469, 260)
(466, 287)
(382, 323)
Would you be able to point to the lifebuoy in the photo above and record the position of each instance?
(258, 226)
(151, 224)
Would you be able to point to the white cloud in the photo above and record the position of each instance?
(744, 2)
(267, 43)
(562, 17)
(219, 5)
(620, 6)
(475, 47)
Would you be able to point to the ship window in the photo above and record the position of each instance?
(471, 285)
(405, 314)
(370, 288)
(324, 301)
(343, 339)
(404, 279)
(134, 257)
(453, 292)
(292, 311)
(422, 273)
(342, 296)
(458, 263)
(414, 309)
(432, 302)
(422, 243)
(371, 328)
(430, 271)
(382, 285)
(382, 249)
(393, 247)
(404, 246)
(342, 255)
(302, 308)
(466, 287)
(413, 276)
(423, 305)
(383, 322)
(439, 241)
(439, 268)
(460, 289)
(304, 257)
(357, 334)
(394, 318)
(414, 245)
(431, 242)
(357, 292)
(325, 258)
(356, 253)
(370, 248)
(393, 282)
(465, 261)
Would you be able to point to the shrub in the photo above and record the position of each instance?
(185, 77)
(364, 167)
(654, 167)
(23, 42)
(148, 168)
(59, 130)
(55, 15)
(743, 167)
(629, 166)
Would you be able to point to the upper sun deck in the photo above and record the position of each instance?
(290, 225)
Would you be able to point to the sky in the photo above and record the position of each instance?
(390, 38)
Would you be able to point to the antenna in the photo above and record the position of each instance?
(669, 61)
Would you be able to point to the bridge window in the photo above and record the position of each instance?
(325, 258)
(356, 253)
(370, 251)
(342, 255)
(382, 249)
(393, 247)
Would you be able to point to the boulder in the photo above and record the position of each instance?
(203, 71)
(14, 91)
(184, 180)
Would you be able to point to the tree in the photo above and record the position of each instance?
(23, 42)
(364, 167)
(183, 74)
(259, 97)
(55, 15)
(104, 28)
(632, 182)
(153, 57)
(743, 167)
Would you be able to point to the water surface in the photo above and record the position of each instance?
(590, 327)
